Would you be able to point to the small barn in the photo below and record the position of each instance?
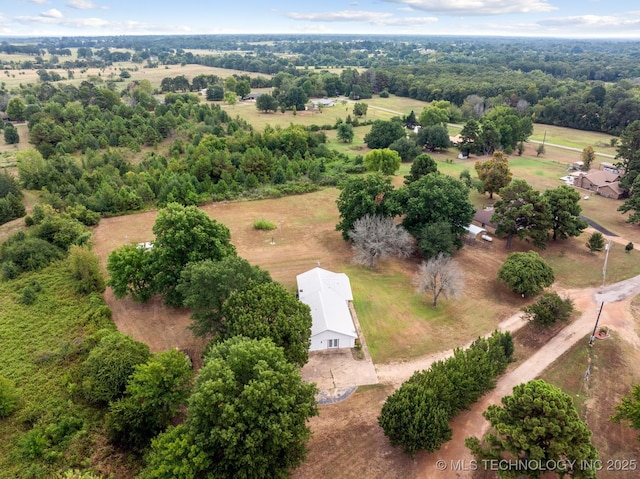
(482, 218)
(328, 295)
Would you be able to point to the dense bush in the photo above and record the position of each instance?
(105, 372)
(416, 416)
(548, 309)
(85, 269)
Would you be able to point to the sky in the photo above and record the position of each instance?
(534, 18)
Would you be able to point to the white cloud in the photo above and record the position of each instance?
(94, 23)
(53, 13)
(375, 18)
(593, 21)
(477, 7)
(82, 4)
(39, 2)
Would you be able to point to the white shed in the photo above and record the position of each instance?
(328, 295)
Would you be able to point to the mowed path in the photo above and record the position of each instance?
(615, 314)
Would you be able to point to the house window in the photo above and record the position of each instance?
(333, 343)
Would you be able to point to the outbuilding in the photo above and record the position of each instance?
(328, 294)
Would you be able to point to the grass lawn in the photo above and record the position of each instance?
(601, 142)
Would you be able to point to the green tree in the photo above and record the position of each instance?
(588, 155)
(258, 426)
(131, 272)
(632, 203)
(384, 160)
(105, 372)
(206, 285)
(345, 132)
(266, 103)
(383, 133)
(371, 194)
(422, 165)
(540, 424)
(433, 115)
(11, 136)
(548, 309)
(268, 310)
(15, 109)
(526, 273)
(434, 137)
(32, 169)
(243, 88)
(436, 238)
(494, 173)
(230, 98)
(360, 109)
(629, 409)
(184, 234)
(628, 152)
(469, 136)
(155, 393)
(438, 198)
(215, 93)
(406, 148)
(595, 242)
(565, 211)
(523, 212)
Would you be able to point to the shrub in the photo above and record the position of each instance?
(548, 309)
(106, 370)
(85, 269)
(265, 225)
(629, 247)
(8, 397)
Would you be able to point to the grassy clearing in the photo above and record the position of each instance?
(39, 349)
(559, 135)
(327, 116)
(575, 267)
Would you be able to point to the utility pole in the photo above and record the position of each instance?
(593, 335)
(607, 247)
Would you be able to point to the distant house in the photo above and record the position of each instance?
(323, 102)
(483, 219)
(251, 96)
(602, 182)
(328, 295)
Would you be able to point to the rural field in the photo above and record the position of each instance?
(401, 327)
(398, 325)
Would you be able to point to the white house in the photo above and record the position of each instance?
(328, 295)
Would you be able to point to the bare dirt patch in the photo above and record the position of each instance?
(348, 442)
